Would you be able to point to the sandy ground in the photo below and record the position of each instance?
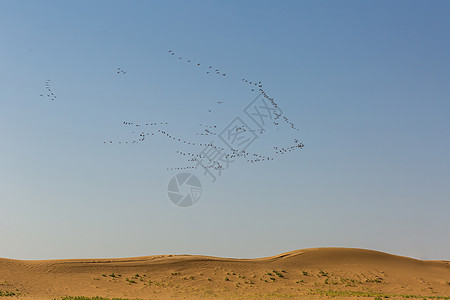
(318, 273)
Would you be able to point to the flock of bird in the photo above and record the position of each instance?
(146, 130)
(243, 129)
(49, 92)
(143, 134)
(272, 101)
(226, 155)
(210, 70)
(195, 157)
(121, 71)
(256, 86)
(282, 150)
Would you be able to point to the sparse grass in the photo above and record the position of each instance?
(7, 294)
(93, 298)
(130, 280)
(277, 295)
(376, 279)
(279, 274)
(331, 293)
(349, 281)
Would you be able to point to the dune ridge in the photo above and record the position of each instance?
(307, 274)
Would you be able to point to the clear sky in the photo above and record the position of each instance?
(366, 82)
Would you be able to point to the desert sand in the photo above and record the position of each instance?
(318, 273)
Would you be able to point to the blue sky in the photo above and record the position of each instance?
(366, 82)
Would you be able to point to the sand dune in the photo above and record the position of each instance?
(306, 274)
